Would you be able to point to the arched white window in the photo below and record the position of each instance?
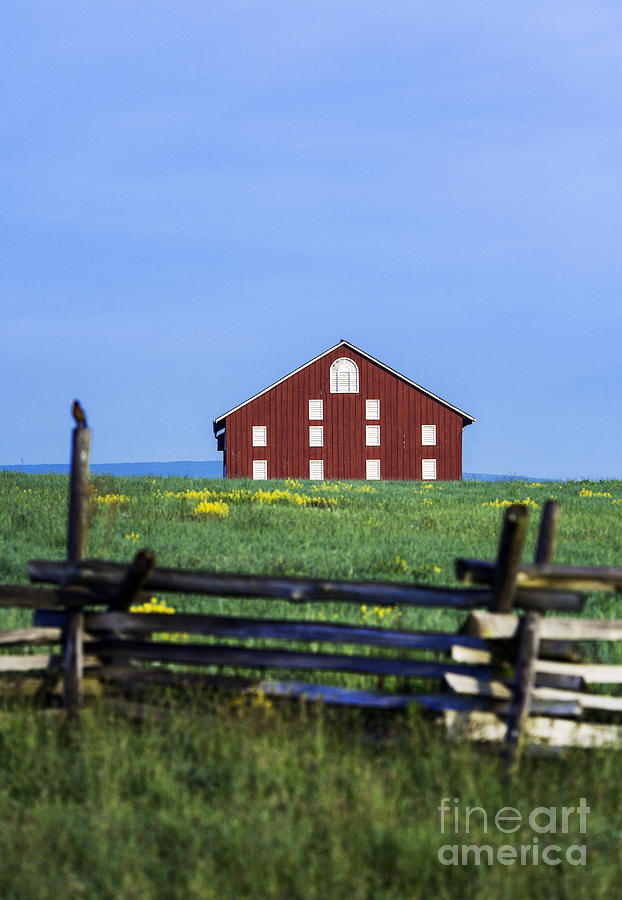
(344, 377)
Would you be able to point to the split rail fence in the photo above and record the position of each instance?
(504, 677)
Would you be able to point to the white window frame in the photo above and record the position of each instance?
(428, 470)
(260, 469)
(372, 435)
(344, 376)
(316, 435)
(428, 435)
(260, 436)
(372, 409)
(316, 410)
(316, 470)
(372, 470)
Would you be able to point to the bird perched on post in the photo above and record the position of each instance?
(78, 413)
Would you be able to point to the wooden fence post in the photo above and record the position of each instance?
(78, 494)
(73, 661)
(139, 571)
(509, 554)
(73, 636)
(523, 686)
(529, 646)
(547, 536)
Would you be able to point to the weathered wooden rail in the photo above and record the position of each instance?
(503, 677)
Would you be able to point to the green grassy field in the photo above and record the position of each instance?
(252, 799)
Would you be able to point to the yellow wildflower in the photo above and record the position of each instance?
(215, 509)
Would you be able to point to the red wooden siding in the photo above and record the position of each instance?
(284, 410)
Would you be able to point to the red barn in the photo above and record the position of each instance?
(343, 415)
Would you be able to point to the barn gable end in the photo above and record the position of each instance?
(349, 389)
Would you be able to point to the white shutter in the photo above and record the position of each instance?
(260, 469)
(343, 381)
(428, 435)
(428, 469)
(372, 435)
(316, 435)
(259, 436)
(316, 409)
(316, 469)
(372, 409)
(372, 469)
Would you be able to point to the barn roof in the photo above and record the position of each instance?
(219, 423)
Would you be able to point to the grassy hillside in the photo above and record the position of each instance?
(255, 799)
(333, 528)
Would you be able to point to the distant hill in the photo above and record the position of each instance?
(198, 469)
(479, 476)
(190, 468)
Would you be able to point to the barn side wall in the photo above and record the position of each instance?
(403, 409)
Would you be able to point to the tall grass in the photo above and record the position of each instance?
(229, 798)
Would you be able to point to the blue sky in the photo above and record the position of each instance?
(197, 198)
